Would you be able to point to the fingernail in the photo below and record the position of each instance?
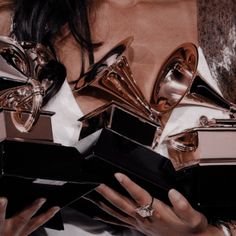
(99, 187)
(41, 201)
(174, 195)
(177, 199)
(3, 201)
(119, 177)
(55, 210)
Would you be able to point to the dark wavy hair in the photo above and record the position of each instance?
(41, 20)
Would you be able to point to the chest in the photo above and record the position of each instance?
(157, 27)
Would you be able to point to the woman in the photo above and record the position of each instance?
(158, 27)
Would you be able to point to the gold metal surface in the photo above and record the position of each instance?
(113, 75)
(212, 142)
(20, 88)
(179, 84)
(175, 78)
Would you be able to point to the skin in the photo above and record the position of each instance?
(112, 21)
(24, 222)
(158, 27)
(180, 219)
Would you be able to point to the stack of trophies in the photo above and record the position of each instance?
(119, 136)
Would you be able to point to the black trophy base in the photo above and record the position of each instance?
(112, 115)
(111, 152)
(31, 170)
(210, 189)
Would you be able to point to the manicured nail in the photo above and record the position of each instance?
(119, 177)
(55, 210)
(99, 187)
(41, 201)
(178, 200)
(3, 201)
(174, 195)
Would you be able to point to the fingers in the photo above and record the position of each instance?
(115, 214)
(181, 217)
(114, 222)
(182, 212)
(141, 196)
(40, 220)
(117, 200)
(116, 218)
(24, 223)
(29, 212)
(19, 221)
(3, 205)
(194, 219)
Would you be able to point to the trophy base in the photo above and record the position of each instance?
(205, 163)
(112, 115)
(31, 170)
(111, 152)
(42, 130)
(210, 189)
(203, 146)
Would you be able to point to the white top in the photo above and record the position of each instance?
(66, 131)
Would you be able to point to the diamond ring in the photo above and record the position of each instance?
(146, 210)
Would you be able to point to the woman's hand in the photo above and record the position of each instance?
(24, 222)
(179, 220)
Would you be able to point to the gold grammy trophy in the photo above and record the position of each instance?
(22, 91)
(112, 75)
(204, 157)
(32, 165)
(179, 84)
(120, 136)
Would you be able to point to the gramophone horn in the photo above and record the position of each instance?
(23, 80)
(178, 83)
(14, 65)
(112, 74)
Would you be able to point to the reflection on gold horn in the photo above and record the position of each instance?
(14, 65)
(20, 88)
(178, 83)
(112, 74)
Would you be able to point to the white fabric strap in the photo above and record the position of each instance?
(65, 125)
(226, 230)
